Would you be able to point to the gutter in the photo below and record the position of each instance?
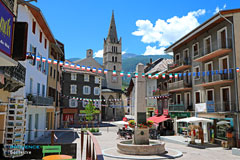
(234, 65)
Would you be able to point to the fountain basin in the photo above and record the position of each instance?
(154, 148)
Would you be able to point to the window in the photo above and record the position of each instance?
(51, 71)
(54, 73)
(177, 58)
(73, 76)
(178, 98)
(40, 37)
(33, 26)
(31, 85)
(115, 59)
(45, 43)
(36, 125)
(86, 90)
(207, 45)
(114, 68)
(43, 90)
(38, 89)
(96, 104)
(114, 79)
(96, 91)
(73, 103)
(33, 51)
(84, 103)
(196, 70)
(195, 49)
(222, 38)
(116, 49)
(73, 89)
(112, 59)
(197, 97)
(58, 76)
(86, 78)
(149, 90)
(97, 80)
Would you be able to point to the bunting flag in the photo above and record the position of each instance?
(78, 66)
(105, 71)
(38, 58)
(170, 75)
(61, 63)
(237, 69)
(83, 68)
(55, 62)
(66, 64)
(203, 74)
(114, 73)
(156, 75)
(184, 74)
(143, 75)
(121, 74)
(88, 68)
(136, 75)
(94, 70)
(149, 76)
(99, 70)
(164, 76)
(129, 74)
(44, 59)
(72, 65)
(176, 75)
(180, 74)
(49, 60)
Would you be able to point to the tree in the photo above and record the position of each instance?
(90, 110)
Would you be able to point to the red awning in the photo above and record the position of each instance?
(158, 119)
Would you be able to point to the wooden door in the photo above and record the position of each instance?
(226, 99)
(223, 39)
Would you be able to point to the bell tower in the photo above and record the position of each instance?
(112, 57)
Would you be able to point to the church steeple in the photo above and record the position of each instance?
(112, 32)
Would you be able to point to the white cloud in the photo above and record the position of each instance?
(165, 32)
(219, 9)
(99, 53)
(154, 51)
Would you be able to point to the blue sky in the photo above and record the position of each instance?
(146, 27)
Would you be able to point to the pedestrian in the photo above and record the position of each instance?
(229, 137)
(201, 137)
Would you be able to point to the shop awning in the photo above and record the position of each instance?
(195, 120)
(158, 119)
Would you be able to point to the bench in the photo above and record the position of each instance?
(51, 149)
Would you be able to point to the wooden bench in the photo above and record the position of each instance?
(51, 149)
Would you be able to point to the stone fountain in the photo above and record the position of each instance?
(141, 145)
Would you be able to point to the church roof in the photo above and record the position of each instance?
(112, 32)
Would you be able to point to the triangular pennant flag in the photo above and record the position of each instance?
(212, 72)
(114, 73)
(88, 68)
(94, 70)
(203, 74)
(83, 68)
(170, 75)
(216, 71)
(129, 74)
(77, 66)
(208, 73)
(136, 75)
(105, 71)
(180, 74)
(121, 74)
(72, 65)
(225, 71)
(176, 75)
(44, 59)
(55, 61)
(230, 70)
(184, 74)
(221, 71)
(199, 74)
(61, 63)
(164, 76)
(66, 64)
(156, 75)
(194, 74)
(189, 74)
(143, 75)
(149, 76)
(38, 58)
(49, 60)
(99, 70)
(237, 69)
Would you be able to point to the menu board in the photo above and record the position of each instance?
(15, 128)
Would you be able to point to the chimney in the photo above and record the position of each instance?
(89, 53)
(150, 60)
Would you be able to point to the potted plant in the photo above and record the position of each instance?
(132, 123)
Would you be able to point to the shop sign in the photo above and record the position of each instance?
(210, 106)
(179, 114)
(165, 111)
(6, 29)
(150, 109)
(201, 107)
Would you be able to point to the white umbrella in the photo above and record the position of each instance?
(222, 122)
(119, 123)
(194, 119)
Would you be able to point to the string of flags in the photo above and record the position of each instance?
(129, 74)
(110, 100)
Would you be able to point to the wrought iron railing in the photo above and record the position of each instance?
(179, 62)
(39, 100)
(179, 84)
(176, 107)
(213, 77)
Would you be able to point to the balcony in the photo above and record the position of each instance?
(179, 65)
(176, 107)
(182, 85)
(39, 100)
(160, 92)
(216, 79)
(219, 107)
(13, 77)
(215, 51)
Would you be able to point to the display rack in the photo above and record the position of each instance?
(15, 128)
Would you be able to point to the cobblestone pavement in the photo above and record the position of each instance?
(109, 138)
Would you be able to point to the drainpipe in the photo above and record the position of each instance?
(234, 65)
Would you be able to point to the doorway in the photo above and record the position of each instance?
(225, 98)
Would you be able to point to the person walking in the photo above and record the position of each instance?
(230, 137)
(201, 133)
